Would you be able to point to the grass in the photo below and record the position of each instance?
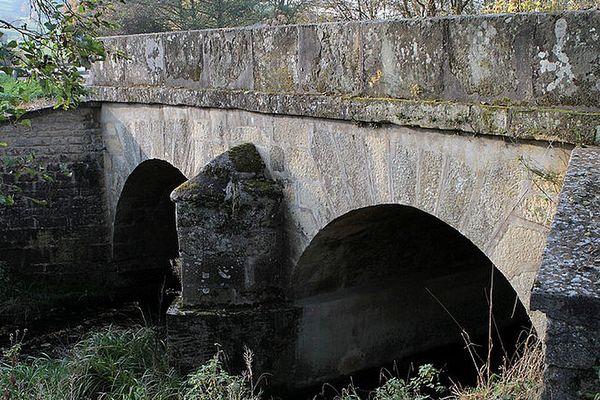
(16, 96)
(110, 364)
(130, 364)
(119, 364)
(518, 379)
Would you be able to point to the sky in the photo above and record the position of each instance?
(14, 11)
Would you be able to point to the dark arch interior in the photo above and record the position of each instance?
(145, 235)
(390, 282)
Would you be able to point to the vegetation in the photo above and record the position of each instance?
(143, 16)
(127, 364)
(50, 51)
(518, 379)
(46, 57)
(130, 364)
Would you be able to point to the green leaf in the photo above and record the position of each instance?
(25, 122)
(3, 144)
(39, 202)
(7, 200)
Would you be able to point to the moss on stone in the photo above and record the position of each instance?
(245, 158)
(187, 187)
(265, 187)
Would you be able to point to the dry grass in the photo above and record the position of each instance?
(519, 379)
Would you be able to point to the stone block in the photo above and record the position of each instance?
(505, 179)
(184, 59)
(276, 59)
(227, 59)
(489, 57)
(459, 182)
(329, 58)
(566, 60)
(196, 335)
(330, 167)
(430, 177)
(404, 161)
(411, 59)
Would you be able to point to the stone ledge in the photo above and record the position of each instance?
(512, 121)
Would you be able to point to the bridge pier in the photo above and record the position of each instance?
(229, 222)
(567, 286)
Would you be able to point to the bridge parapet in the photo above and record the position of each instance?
(534, 76)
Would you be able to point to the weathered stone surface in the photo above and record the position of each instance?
(489, 57)
(410, 60)
(196, 334)
(57, 252)
(330, 58)
(554, 124)
(276, 58)
(230, 232)
(545, 59)
(566, 59)
(328, 168)
(567, 287)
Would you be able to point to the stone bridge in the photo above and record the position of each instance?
(355, 193)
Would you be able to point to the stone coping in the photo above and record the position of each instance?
(541, 59)
(512, 121)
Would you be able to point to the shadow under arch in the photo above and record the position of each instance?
(387, 282)
(145, 234)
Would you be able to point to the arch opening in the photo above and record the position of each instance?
(392, 283)
(145, 241)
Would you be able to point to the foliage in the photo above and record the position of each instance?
(50, 51)
(130, 364)
(423, 386)
(143, 16)
(212, 382)
(19, 168)
(346, 10)
(48, 57)
(13, 93)
(593, 395)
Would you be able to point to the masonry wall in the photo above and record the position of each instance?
(500, 195)
(54, 252)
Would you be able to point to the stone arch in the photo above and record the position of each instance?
(386, 281)
(145, 235)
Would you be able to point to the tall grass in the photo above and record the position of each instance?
(131, 364)
(520, 378)
(120, 364)
(111, 364)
